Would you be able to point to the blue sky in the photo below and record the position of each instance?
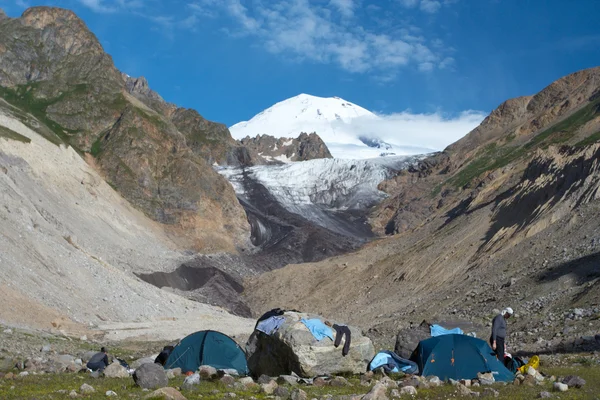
(230, 59)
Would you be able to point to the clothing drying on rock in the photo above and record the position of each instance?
(271, 313)
(318, 328)
(164, 355)
(392, 362)
(270, 325)
(437, 330)
(207, 348)
(340, 331)
(99, 361)
(458, 357)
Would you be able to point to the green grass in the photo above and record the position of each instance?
(12, 135)
(589, 140)
(493, 157)
(23, 97)
(48, 387)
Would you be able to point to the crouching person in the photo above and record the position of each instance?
(99, 361)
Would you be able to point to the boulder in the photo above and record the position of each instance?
(281, 392)
(110, 393)
(165, 393)
(292, 348)
(465, 391)
(116, 370)
(378, 392)
(289, 379)
(173, 373)
(408, 339)
(141, 361)
(340, 381)
(88, 355)
(227, 380)
(486, 379)
(150, 376)
(248, 383)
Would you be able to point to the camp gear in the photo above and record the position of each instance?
(392, 362)
(318, 328)
(437, 330)
(207, 348)
(458, 357)
(513, 363)
(533, 362)
(270, 325)
(340, 331)
(164, 355)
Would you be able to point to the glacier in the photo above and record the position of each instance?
(330, 193)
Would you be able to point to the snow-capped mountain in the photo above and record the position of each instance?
(330, 118)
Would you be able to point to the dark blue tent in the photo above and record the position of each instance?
(458, 357)
(208, 348)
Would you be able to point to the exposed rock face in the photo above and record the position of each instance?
(265, 149)
(293, 348)
(157, 155)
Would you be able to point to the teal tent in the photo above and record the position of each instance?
(207, 348)
(458, 357)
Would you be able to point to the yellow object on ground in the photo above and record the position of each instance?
(533, 362)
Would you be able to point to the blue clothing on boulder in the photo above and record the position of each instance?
(318, 328)
(437, 330)
(270, 325)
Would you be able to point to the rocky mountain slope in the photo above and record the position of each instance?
(158, 156)
(506, 216)
(265, 149)
(70, 244)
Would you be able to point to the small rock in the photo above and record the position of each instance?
(388, 383)
(319, 382)
(574, 381)
(116, 370)
(378, 392)
(73, 394)
(46, 348)
(86, 389)
(9, 376)
(231, 395)
(465, 382)
(264, 379)
(110, 393)
(268, 388)
(24, 373)
(207, 372)
(8, 331)
(465, 391)
(410, 390)
(435, 381)
(191, 382)
(281, 392)
(298, 394)
(173, 373)
(545, 395)
(486, 379)
(340, 381)
(489, 392)
(560, 387)
(165, 393)
(95, 374)
(227, 380)
(395, 393)
(83, 338)
(289, 379)
(248, 383)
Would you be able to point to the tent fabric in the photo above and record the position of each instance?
(392, 362)
(438, 330)
(207, 348)
(458, 357)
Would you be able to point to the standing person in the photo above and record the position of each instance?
(99, 361)
(498, 338)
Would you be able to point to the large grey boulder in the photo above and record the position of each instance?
(293, 348)
(151, 376)
(116, 370)
(408, 339)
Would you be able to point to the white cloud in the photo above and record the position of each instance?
(412, 133)
(430, 6)
(426, 67)
(22, 4)
(110, 6)
(322, 32)
(409, 3)
(447, 63)
(345, 7)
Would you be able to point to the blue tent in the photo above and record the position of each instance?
(458, 357)
(208, 348)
